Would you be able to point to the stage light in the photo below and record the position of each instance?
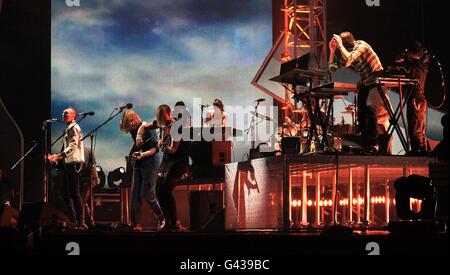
(101, 176)
(310, 203)
(324, 203)
(116, 177)
(294, 203)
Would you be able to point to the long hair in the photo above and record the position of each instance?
(163, 115)
(219, 104)
(130, 121)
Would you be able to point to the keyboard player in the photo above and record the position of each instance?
(416, 60)
(357, 55)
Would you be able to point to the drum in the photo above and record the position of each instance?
(341, 130)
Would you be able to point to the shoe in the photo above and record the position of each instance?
(161, 224)
(82, 227)
(138, 228)
(178, 228)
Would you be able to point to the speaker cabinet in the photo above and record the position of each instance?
(204, 207)
(209, 159)
(291, 145)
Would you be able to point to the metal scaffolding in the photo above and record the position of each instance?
(305, 31)
(305, 28)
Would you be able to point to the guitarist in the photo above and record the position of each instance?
(146, 159)
(72, 157)
(174, 166)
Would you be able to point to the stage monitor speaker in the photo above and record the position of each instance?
(204, 207)
(209, 159)
(8, 216)
(109, 204)
(291, 145)
(34, 215)
(216, 223)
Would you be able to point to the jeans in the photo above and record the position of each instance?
(417, 116)
(372, 113)
(144, 188)
(169, 177)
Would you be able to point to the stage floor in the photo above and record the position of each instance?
(257, 244)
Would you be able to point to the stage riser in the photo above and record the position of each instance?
(254, 191)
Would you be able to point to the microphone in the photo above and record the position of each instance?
(128, 106)
(261, 100)
(51, 120)
(204, 105)
(87, 114)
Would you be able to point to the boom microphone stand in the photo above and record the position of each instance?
(91, 135)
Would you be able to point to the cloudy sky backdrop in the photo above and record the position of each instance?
(107, 53)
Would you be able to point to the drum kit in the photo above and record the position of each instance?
(297, 124)
(315, 88)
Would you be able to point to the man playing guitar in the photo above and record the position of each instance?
(145, 156)
(174, 166)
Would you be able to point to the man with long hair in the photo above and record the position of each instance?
(146, 158)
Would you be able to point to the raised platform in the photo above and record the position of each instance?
(298, 191)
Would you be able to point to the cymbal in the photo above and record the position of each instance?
(348, 112)
(261, 116)
(303, 112)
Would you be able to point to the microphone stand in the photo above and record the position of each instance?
(201, 121)
(253, 126)
(91, 134)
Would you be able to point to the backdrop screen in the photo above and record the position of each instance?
(107, 53)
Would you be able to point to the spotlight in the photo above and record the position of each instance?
(116, 177)
(101, 176)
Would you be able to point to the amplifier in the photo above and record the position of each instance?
(209, 159)
(108, 207)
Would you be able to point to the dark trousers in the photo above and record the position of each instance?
(144, 189)
(367, 119)
(417, 116)
(72, 196)
(416, 187)
(168, 178)
(86, 202)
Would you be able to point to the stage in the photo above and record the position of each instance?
(258, 245)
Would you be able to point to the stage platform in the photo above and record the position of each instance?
(299, 191)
